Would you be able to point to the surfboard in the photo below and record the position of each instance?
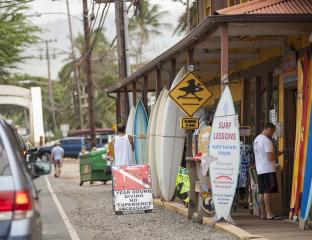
(225, 147)
(297, 141)
(149, 131)
(303, 133)
(130, 121)
(172, 144)
(307, 188)
(159, 127)
(140, 133)
(152, 147)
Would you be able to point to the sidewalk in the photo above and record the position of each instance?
(271, 229)
(249, 226)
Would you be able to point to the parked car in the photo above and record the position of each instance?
(19, 206)
(72, 146)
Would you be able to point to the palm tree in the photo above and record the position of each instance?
(182, 21)
(104, 74)
(145, 24)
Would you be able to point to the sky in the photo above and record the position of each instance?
(55, 27)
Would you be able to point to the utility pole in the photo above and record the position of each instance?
(50, 83)
(76, 79)
(188, 16)
(123, 64)
(87, 57)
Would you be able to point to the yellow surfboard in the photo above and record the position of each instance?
(298, 138)
(309, 96)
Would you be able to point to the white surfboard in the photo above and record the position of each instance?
(225, 146)
(152, 147)
(159, 127)
(172, 144)
(129, 126)
(149, 131)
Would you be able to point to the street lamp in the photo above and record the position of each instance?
(39, 14)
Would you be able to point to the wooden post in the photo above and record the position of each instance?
(257, 105)
(144, 92)
(134, 93)
(191, 165)
(173, 72)
(126, 104)
(224, 55)
(88, 69)
(158, 82)
(118, 115)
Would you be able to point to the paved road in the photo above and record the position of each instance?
(89, 212)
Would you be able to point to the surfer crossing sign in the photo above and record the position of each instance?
(190, 94)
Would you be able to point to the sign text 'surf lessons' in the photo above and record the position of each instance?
(225, 146)
(132, 188)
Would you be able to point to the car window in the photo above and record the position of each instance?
(4, 161)
(71, 142)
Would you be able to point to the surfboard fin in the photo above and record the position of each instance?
(230, 220)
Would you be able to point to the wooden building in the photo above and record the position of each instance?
(253, 47)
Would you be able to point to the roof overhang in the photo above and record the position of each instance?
(210, 27)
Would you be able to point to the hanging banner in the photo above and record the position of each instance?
(132, 188)
(289, 65)
(225, 146)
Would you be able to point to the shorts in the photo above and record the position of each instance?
(267, 183)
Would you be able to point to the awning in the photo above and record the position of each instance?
(206, 32)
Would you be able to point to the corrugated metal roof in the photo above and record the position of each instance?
(270, 7)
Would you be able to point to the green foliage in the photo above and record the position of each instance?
(16, 35)
(182, 21)
(144, 25)
(104, 74)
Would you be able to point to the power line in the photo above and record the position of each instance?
(101, 24)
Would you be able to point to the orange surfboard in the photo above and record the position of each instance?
(298, 139)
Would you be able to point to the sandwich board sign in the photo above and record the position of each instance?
(132, 188)
(225, 147)
(190, 94)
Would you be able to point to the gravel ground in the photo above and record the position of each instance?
(90, 210)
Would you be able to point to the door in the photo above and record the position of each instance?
(290, 97)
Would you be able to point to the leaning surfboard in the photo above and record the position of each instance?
(140, 133)
(306, 194)
(149, 131)
(172, 144)
(225, 147)
(130, 121)
(307, 180)
(297, 141)
(159, 127)
(152, 147)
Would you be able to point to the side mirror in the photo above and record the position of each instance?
(33, 150)
(42, 168)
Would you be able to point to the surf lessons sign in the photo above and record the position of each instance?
(132, 188)
(225, 146)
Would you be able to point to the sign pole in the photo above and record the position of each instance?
(191, 170)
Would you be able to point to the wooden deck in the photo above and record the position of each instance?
(271, 229)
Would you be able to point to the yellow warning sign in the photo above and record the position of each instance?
(190, 94)
(189, 123)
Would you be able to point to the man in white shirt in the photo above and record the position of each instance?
(123, 147)
(57, 158)
(266, 170)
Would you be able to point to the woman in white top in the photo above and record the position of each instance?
(123, 147)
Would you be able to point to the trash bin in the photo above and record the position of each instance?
(94, 167)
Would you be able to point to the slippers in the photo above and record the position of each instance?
(275, 218)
